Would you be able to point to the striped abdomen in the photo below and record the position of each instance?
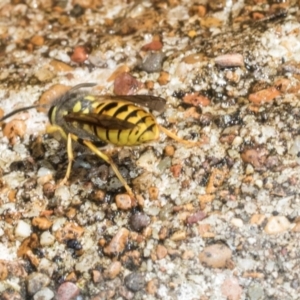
(145, 128)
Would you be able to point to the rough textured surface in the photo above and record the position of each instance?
(229, 71)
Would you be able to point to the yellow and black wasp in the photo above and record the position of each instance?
(117, 120)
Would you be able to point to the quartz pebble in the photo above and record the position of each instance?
(47, 239)
(44, 294)
(36, 281)
(277, 224)
(67, 291)
(23, 229)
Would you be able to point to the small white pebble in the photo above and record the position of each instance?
(47, 238)
(44, 171)
(277, 224)
(259, 183)
(63, 193)
(237, 222)
(147, 160)
(251, 240)
(45, 294)
(237, 141)
(249, 169)
(58, 223)
(23, 229)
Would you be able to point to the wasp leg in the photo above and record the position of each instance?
(70, 159)
(108, 159)
(178, 139)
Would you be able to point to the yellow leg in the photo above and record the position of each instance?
(70, 159)
(114, 167)
(178, 139)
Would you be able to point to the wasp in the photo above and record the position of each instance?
(95, 121)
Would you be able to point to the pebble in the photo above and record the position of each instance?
(123, 201)
(53, 93)
(153, 62)
(216, 4)
(257, 219)
(178, 235)
(188, 254)
(79, 54)
(176, 170)
(153, 193)
(97, 276)
(193, 58)
(231, 289)
(161, 251)
(14, 129)
(164, 78)
(42, 223)
(169, 150)
(135, 281)
(131, 259)
(196, 99)
(216, 179)
(230, 60)
(254, 156)
(113, 270)
(68, 232)
(277, 224)
(139, 221)
(256, 292)
(152, 286)
(37, 40)
(47, 267)
(60, 66)
(125, 293)
(44, 294)
(36, 281)
(118, 242)
(63, 193)
(47, 239)
(67, 291)
(126, 84)
(23, 229)
(195, 217)
(215, 256)
(237, 222)
(87, 261)
(123, 69)
(155, 45)
(44, 74)
(263, 96)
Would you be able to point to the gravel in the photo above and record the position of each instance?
(219, 220)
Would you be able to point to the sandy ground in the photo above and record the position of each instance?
(220, 220)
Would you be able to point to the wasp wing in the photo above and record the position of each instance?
(104, 121)
(152, 102)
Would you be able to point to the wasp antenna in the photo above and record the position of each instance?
(82, 85)
(20, 110)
